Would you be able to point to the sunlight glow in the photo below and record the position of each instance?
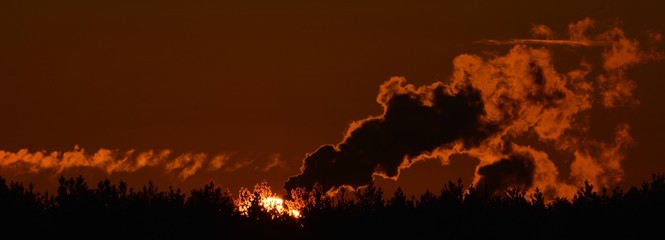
(277, 204)
(272, 204)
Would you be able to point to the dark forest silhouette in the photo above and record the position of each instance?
(108, 210)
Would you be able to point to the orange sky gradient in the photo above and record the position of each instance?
(182, 93)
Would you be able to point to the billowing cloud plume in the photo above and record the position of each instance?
(415, 120)
(600, 162)
(486, 105)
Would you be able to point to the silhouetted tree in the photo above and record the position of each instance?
(107, 210)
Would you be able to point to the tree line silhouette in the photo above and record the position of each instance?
(109, 210)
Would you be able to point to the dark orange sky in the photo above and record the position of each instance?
(260, 81)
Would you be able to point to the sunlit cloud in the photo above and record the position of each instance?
(542, 31)
(528, 41)
(218, 162)
(603, 168)
(489, 101)
(188, 164)
(238, 165)
(110, 161)
(275, 162)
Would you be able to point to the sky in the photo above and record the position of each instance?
(185, 92)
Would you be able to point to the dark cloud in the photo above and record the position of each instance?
(515, 171)
(414, 121)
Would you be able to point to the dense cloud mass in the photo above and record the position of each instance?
(414, 121)
(489, 101)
